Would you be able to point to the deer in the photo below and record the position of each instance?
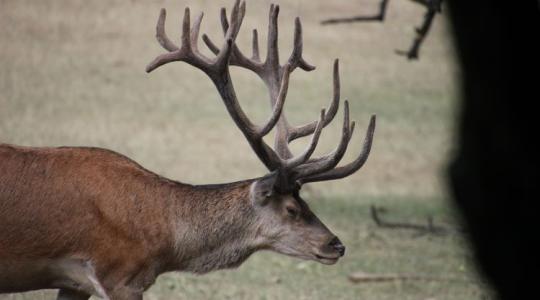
(92, 222)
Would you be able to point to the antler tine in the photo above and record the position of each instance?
(296, 59)
(344, 171)
(302, 158)
(280, 101)
(223, 19)
(224, 55)
(329, 161)
(237, 57)
(237, 9)
(194, 36)
(307, 129)
(161, 36)
(255, 46)
(272, 52)
(187, 51)
(210, 44)
(186, 31)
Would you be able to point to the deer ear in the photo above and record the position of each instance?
(263, 189)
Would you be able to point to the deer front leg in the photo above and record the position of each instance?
(76, 279)
(65, 294)
(126, 293)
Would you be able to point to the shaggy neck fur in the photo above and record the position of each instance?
(214, 227)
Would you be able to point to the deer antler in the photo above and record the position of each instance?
(299, 169)
(270, 70)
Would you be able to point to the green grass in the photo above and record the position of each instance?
(73, 74)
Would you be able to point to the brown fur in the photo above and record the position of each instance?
(85, 219)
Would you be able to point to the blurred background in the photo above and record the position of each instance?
(73, 75)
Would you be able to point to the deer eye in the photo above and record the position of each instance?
(292, 212)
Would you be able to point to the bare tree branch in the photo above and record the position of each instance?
(430, 227)
(378, 17)
(433, 8)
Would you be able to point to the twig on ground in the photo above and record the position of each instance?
(362, 277)
(430, 228)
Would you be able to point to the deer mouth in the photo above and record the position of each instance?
(327, 260)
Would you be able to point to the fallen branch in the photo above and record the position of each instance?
(362, 277)
(429, 228)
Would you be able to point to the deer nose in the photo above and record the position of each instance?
(336, 244)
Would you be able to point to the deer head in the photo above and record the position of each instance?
(284, 221)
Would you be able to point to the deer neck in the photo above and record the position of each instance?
(213, 228)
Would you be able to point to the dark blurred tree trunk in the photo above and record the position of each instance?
(494, 173)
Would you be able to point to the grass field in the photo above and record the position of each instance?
(73, 74)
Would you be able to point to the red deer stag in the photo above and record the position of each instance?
(89, 221)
